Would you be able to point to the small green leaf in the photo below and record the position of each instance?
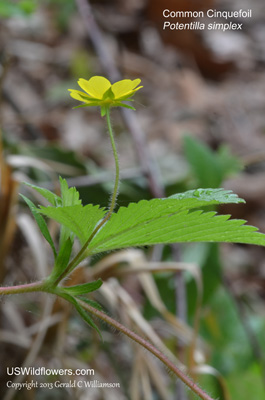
(61, 261)
(87, 318)
(108, 94)
(80, 310)
(86, 105)
(103, 111)
(88, 98)
(125, 106)
(83, 288)
(47, 194)
(41, 223)
(92, 303)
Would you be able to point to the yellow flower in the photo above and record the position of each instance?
(98, 91)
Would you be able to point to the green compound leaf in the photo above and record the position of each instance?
(78, 219)
(83, 288)
(41, 223)
(174, 220)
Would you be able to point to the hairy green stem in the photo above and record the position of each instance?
(148, 346)
(79, 256)
(117, 167)
(27, 288)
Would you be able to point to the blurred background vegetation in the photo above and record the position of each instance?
(199, 123)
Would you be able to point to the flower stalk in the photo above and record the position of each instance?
(117, 167)
(82, 252)
(98, 91)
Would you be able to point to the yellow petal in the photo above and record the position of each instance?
(136, 82)
(124, 87)
(96, 86)
(77, 95)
